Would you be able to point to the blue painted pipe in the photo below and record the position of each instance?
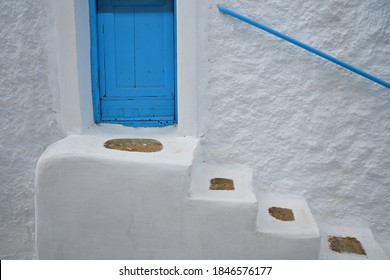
(303, 45)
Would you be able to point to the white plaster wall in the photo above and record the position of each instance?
(28, 115)
(306, 126)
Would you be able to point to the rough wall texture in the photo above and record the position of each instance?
(28, 118)
(306, 126)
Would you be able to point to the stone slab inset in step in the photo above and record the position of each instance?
(282, 214)
(222, 183)
(345, 243)
(134, 145)
(297, 221)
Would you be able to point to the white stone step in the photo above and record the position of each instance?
(228, 230)
(221, 230)
(286, 239)
(202, 174)
(99, 203)
(347, 243)
(303, 225)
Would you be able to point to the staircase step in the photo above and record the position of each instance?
(285, 216)
(95, 202)
(221, 230)
(349, 243)
(285, 228)
(222, 183)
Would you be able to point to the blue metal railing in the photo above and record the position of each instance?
(304, 46)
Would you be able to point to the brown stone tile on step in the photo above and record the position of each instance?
(134, 145)
(221, 184)
(346, 245)
(282, 214)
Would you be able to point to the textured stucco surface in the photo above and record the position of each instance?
(28, 119)
(306, 126)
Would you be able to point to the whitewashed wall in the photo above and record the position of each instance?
(306, 126)
(28, 115)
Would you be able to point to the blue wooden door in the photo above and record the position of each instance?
(136, 62)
